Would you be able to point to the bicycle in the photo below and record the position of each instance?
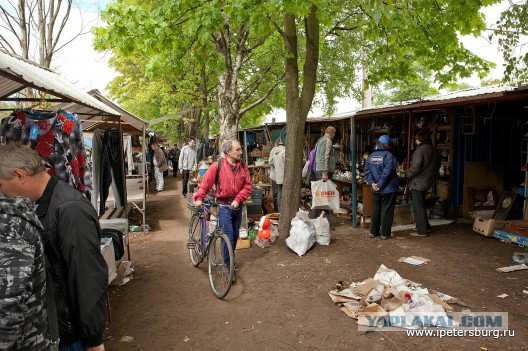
(215, 246)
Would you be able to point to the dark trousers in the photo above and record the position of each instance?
(275, 194)
(317, 213)
(229, 221)
(185, 181)
(174, 168)
(382, 213)
(418, 204)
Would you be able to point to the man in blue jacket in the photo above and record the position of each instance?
(380, 172)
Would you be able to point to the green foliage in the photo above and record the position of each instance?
(512, 32)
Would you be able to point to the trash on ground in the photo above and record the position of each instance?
(508, 269)
(502, 296)
(388, 294)
(414, 260)
(127, 338)
(520, 257)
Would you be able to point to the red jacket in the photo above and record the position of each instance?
(235, 185)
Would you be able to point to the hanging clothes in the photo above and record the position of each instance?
(107, 159)
(57, 137)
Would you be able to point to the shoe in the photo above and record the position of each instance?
(418, 235)
(234, 277)
(236, 267)
(385, 237)
(373, 235)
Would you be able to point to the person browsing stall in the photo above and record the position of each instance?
(233, 187)
(425, 163)
(380, 173)
(71, 240)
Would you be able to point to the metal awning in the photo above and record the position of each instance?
(129, 123)
(17, 74)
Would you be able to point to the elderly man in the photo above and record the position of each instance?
(233, 187)
(71, 239)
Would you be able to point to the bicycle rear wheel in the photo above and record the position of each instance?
(195, 240)
(220, 272)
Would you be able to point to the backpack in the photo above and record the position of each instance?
(117, 239)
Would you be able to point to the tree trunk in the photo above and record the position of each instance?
(297, 108)
(205, 97)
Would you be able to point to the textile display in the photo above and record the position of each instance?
(107, 158)
(57, 137)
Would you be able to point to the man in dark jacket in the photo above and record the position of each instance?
(380, 173)
(71, 239)
(23, 318)
(425, 163)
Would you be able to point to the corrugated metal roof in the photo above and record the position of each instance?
(491, 91)
(17, 74)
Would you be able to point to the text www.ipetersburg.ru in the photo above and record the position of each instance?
(443, 333)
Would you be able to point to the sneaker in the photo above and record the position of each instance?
(373, 235)
(385, 237)
(419, 235)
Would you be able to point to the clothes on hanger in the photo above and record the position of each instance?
(57, 137)
(107, 160)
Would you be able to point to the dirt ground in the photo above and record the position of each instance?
(281, 302)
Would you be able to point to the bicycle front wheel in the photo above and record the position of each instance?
(221, 264)
(195, 240)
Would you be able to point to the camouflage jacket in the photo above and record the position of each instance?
(23, 319)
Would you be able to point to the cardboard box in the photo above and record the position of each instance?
(485, 226)
(243, 244)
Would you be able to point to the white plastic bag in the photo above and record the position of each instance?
(324, 195)
(322, 229)
(302, 235)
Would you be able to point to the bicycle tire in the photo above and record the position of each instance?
(195, 240)
(220, 276)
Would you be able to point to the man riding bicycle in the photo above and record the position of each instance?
(232, 187)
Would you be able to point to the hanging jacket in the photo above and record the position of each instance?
(380, 168)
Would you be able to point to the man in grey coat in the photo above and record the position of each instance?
(425, 163)
(187, 162)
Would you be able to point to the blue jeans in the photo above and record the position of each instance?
(229, 221)
(76, 346)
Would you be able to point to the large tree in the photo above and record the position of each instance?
(385, 38)
(234, 36)
(512, 32)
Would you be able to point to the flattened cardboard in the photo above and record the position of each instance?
(364, 289)
(440, 302)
